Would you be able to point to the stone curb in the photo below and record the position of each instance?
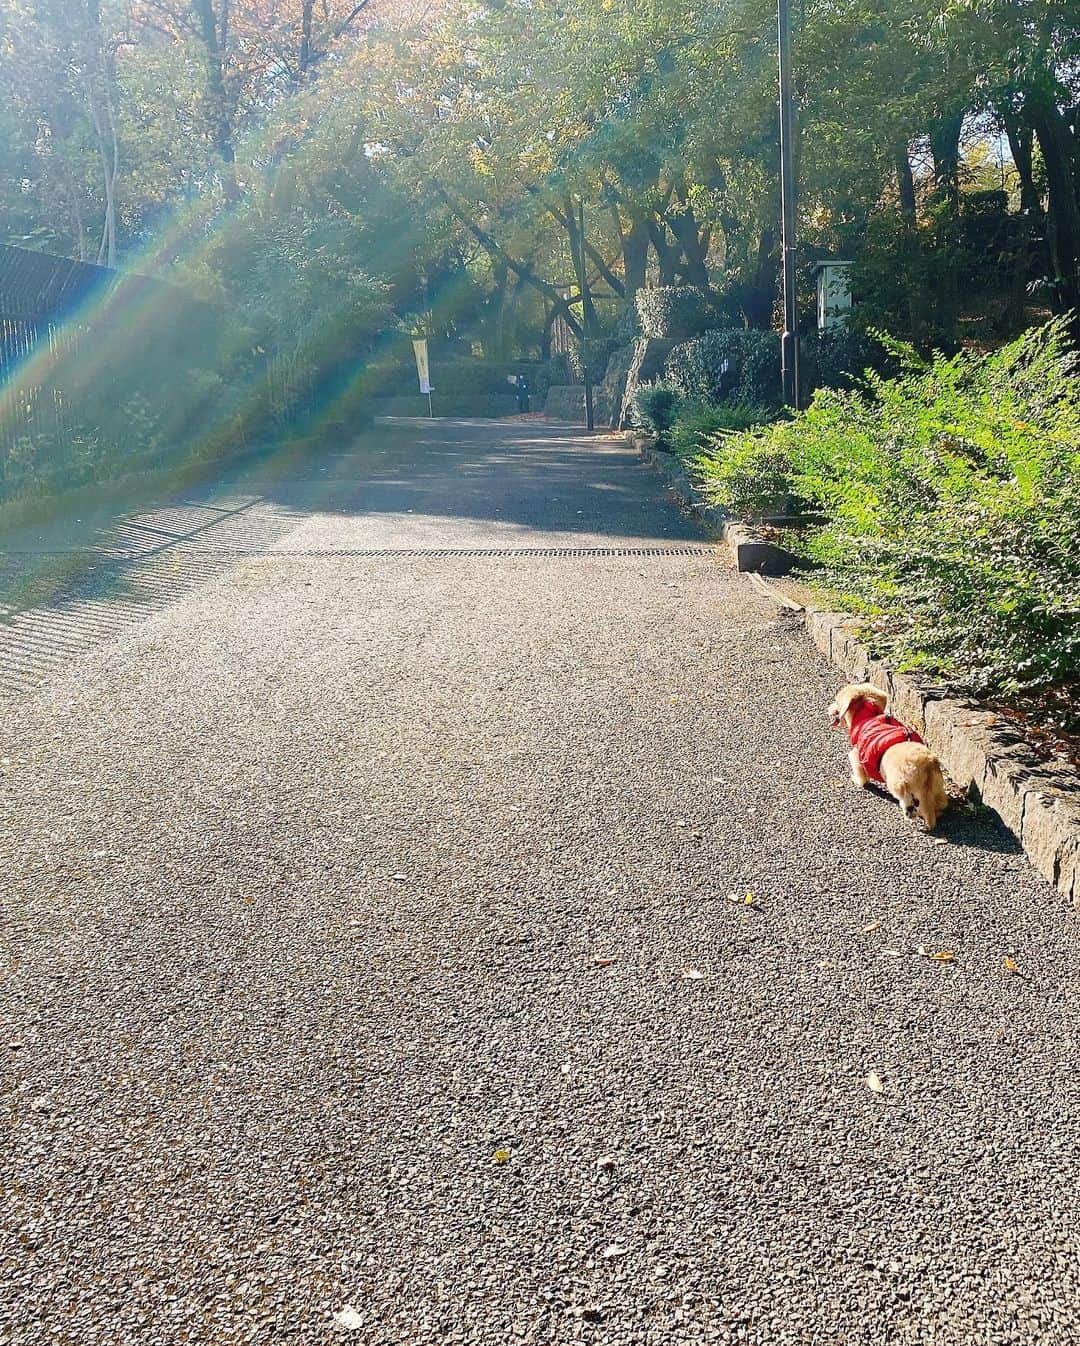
(751, 553)
(1038, 802)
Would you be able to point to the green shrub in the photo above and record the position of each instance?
(654, 407)
(731, 363)
(674, 312)
(840, 357)
(696, 422)
(951, 499)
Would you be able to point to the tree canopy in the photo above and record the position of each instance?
(454, 149)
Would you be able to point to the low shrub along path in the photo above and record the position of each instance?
(413, 947)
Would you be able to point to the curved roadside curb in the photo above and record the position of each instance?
(1039, 802)
(751, 553)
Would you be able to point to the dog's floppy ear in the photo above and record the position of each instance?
(856, 691)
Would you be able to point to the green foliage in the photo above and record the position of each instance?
(696, 422)
(164, 380)
(654, 407)
(734, 363)
(473, 378)
(840, 357)
(951, 498)
(674, 312)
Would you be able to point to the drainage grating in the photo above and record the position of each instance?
(425, 552)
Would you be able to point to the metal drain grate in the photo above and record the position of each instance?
(465, 552)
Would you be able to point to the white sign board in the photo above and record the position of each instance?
(423, 373)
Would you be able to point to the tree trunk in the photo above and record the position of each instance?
(906, 184)
(1021, 143)
(98, 79)
(760, 297)
(635, 250)
(694, 246)
(501, 273)
(577, 257)
(667, 257)
(945, 147)
(1056, 141)
(494, 249)
(305, 37)
(219, 114)
(545, 340)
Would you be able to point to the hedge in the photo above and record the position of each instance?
(739, 363)
(743, 364)
(474, 378)
(674, 312)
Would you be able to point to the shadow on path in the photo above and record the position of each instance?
(67, 586)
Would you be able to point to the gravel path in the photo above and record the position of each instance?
(378, 964)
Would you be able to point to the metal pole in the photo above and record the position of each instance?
(789, 341)
(586, 308)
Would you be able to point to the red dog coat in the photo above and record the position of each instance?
(873, 733)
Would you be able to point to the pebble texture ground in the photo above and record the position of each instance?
(489, 949)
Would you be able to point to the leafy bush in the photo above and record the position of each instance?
(840, 357)
(674, 312)
(696, 422)
(731, 363)
(654, 407)
(951, 496)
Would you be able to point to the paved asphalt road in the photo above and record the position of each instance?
(377, 963)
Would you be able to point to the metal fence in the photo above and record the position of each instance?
(58, 332)
(40, 299)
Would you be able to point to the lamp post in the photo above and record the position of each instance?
(789, 341)
(586, 315)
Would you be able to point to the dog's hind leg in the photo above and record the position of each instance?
(858, 775)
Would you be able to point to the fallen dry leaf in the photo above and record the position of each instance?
(614, 1250)
(892, 953)
(501, 1156)
(944, 956)
(1010, 965)
(875, 1083)
(599, 960)
(871, 927)
(748, 899)
(692, 974)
